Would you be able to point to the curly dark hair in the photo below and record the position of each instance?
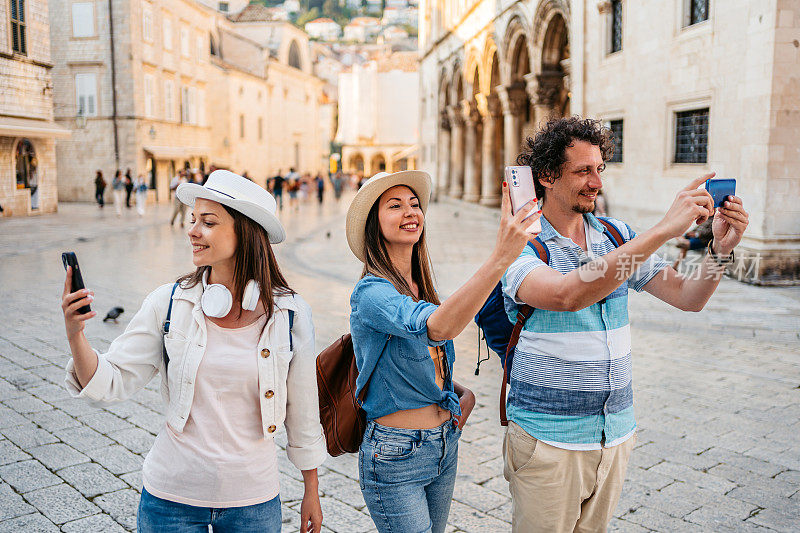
(545, 153)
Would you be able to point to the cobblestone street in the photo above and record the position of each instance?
(717, 393)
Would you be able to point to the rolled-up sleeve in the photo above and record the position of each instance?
(306, 447)
(377, 303)
(523, 265)
(131, 361)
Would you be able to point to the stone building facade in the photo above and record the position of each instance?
(378, 123)
(28, 174)
(688, 87)
(182, 84)
(296, 122)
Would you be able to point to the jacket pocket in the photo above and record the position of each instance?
(176, 348)
(282, 361)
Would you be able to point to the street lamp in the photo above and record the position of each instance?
(152, 132)
(80, 120)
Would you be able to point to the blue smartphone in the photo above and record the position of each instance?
(720, 189)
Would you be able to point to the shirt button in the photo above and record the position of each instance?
(271, 429)
(265, 353)
(269, 394)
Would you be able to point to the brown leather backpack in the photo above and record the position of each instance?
(340, 413)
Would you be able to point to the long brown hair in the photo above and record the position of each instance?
(253, 259)
(378, 263)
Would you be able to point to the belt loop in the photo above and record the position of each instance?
(370, 430)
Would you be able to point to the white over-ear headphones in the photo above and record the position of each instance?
(217, 299)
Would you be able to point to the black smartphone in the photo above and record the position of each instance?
(71, 260)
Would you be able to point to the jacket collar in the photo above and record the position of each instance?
(193, 294)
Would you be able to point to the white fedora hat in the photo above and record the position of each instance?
(238, 193)
(373, 188)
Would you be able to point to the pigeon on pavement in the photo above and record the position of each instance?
(114, 314)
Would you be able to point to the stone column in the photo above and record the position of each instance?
(543, 89)
(513, 100)
(472, 171)
(456, 151)
(490, 179)
(443, 184)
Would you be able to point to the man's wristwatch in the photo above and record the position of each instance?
(721, 261)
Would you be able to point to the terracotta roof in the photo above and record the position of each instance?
(254, 13)
(360, 21)
(321, 19)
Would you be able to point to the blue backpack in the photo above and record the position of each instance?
(498, 331)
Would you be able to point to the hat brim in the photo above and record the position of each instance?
(189, 192)
(418, 181)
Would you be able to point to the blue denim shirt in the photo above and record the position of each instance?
(390, 340)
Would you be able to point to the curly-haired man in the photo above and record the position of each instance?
(571, 425)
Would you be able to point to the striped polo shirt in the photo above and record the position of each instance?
(571, 376)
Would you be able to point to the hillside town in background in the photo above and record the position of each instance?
(159, 89)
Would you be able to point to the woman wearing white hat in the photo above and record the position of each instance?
(402, 338)
(235, 349)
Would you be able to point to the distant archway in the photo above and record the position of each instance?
(294, 56)
(26, 169)
(356, 163)
(377, 164)
(553, 81)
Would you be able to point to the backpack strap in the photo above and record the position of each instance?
(523, 314)
(612, 232)
(165, 328)
(291, 325)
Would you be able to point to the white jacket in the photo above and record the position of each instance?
(135, 357)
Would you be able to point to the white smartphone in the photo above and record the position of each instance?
(520, 184)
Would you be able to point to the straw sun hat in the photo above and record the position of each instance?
(238, 193)
(373, 188)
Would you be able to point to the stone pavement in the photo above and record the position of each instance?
(717, 393)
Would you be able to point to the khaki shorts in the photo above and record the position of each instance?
(557, 490)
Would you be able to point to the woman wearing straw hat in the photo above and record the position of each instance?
(235, 349)
(402, 338)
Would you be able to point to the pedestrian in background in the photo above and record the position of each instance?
(337, 185)
(237, 361)
(276, 187)
(140, 189)
(320, 188)
(293, 186)
(128, 188)
(178, 207)
(118, 189)
(402, 339)
(571, 426)
(696, 239)
(99, 188)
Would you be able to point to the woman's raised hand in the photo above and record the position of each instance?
(71, 302)
(512, 235)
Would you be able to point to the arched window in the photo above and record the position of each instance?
(294, 55)
(27, 175)
(26, 164)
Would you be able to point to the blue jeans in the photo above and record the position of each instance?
(161, 516)
(407, 476)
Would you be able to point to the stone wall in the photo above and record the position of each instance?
(26, 92)
(743, 64)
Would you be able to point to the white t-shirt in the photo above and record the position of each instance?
(222, 458)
